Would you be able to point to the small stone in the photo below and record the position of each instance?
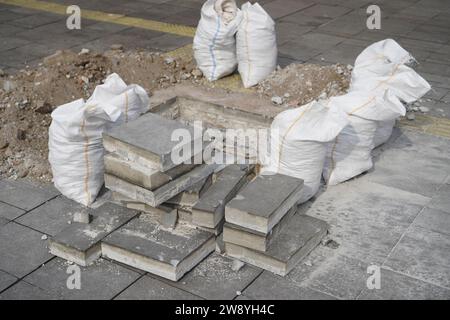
(238, 293)
(286, 95)
(43, 107)
(22, 173)
(116, 46)
(84, 51)
(277, 100)
(169, 60)
(185, 76)
(85, 79)
(173, 79)
(424, 109)
(410, 116)
(82, 217)
(197, 73)
(308, 263)
(330, 243)
(44, 237)
(237, 265)
(68, 76)
(9, 85)
(21, 134)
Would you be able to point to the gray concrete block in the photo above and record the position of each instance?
(80, 242)
(21, 249)
(158, 196)
(142, 176)
(263, 202)
(422, 254)
(6, 280)
(187, 199)
(272, 287)
(24, 195)
(295, 241)
(102, 280)
(255, 240)
(25, 291)
(148, 141)
(396, 286)
(10, 212)
(148, 288)
(214, 279)
(144, 244)
(210, 209)
(53, 216)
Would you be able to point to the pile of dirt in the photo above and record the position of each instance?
(28, 97)
(298, 84)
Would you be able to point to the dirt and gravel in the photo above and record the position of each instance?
(28, 97)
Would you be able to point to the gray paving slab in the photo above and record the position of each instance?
(8, 43)
(422, 254)
(37, 20)
(327, 271)
(441, 200)
(187, 17)
(6, 280)
(347, 25)
(169, 42)
(22, 249)
(326, 11)
(53, 216)
(290, 31)
(9, 30)
(8, 15)
(4, 221)
(272, 287)
(280, 8)
(214, 279)
(434, 220)
(396, 286)
(25, 291)
(304, 20)
(148, 288)
(9, 212)
(102, 280)
(24, 195)
(342, 53)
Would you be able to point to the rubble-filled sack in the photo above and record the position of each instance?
(214, 41)
(75, 136)
(299, 139)
(350, 154)
(256, 45)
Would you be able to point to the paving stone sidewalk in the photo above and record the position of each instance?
(396, 217)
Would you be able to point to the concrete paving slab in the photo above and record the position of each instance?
(263, 202)
(53, 216)
(8, 43)
(3, 221)
(304, 20)
(320, 10)
(80, 242)
(441, 200)
(24, 195)
(396, 286)
(10, 212)
(102, 280)
(148, 288)
(433, 220)
(422, 254)
(347, 25)
(144, 244)
(22, 249)
(292, 245)
(290, 31)
(39, 19)
(280, 8)
(6, 280)
(214, 279)
(272, 287)
(210, 209)
(169, 42)
(25, 291)
(342, 53)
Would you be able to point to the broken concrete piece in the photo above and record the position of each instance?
(145, 245)
(301, 235)
(80, 242)
(187, 199)
(148, 141)
(252, 239)
(210, 209)
(237, 265)
(82, 217)
(140, 175)
(156, 197)
(263, 202)
(169, 219)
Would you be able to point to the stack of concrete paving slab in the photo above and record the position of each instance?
(263, 227)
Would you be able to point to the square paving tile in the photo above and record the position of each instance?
(422, 254)
(6, 280)
(24, 195)
(272, 287)
(281, 8)
(53, 216)
(37, 20)
(101, 280)
(3, 221)
(441, 200)
(396, 286)
(320, 10)
(434, 220)
(213, 278)
(21, 249)
(25, 291)
(147, 288)
(9, 212)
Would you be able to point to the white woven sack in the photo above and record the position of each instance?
(256, 45)
(214, 41)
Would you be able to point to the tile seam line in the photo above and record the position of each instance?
(101, 16)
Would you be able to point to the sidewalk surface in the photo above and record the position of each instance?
(396, 217)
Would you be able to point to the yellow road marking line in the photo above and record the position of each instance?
(106, 17)
(424, 123)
